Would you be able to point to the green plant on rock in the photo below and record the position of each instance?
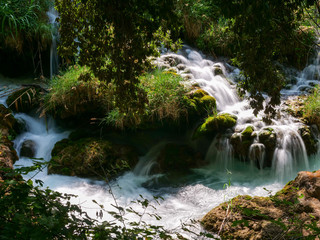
(311, 109)
(77, 93)
(165, 94)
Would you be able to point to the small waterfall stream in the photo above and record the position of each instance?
(54, 60)
(204, 188)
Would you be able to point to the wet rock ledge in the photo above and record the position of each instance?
(292, 213)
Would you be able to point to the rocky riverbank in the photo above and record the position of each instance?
(292, 213)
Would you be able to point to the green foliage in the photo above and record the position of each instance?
(165, 94)
(262, 30)
(218, 39)
(31, 212)
(115, 38)
(196, 16)
(24, 20)
(311, 110)
(77, 92)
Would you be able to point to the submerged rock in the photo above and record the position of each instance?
(241, 142)
(290, 213)
(268, 137)
(215, 124)
(91, 157)
(28, 149)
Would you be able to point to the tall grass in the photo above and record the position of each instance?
(165, 93)
(311, 110)
(73, 89)
(24, 20)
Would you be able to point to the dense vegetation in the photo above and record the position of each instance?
(25, 35)
(109, 76)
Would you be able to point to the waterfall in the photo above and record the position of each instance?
(218, 80)
(54, 60)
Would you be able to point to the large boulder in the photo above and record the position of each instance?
(199, 103)
(216, 124)
(292, 213)
(91, 157)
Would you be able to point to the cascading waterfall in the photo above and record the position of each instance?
(213, 77)
(54, 60)
(204, 188)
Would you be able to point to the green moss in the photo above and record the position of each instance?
(199, 93)
(216, 124)
(247, 132)
(90, 157)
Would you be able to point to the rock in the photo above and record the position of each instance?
(257, 153)
(309, 139)
(241, 143)
(199, 103)
(25, 99)
(177, 158)
(28, 149)
(91, 157)
(268, 137)
(215, 124)
(8, 124)
(8, 130)
(289, 213)
(217, 71)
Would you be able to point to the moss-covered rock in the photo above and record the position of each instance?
(241, 142)
(289, 213)
(309, 139)
(25, 99)
(199, 103)
(91, 157)
(268, 137)
(215, 124)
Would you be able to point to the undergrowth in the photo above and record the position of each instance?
(165, 93)
(312, 107)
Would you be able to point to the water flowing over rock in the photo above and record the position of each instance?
(277, 145)
(288, 214)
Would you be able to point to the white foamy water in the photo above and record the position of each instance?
(223, 179)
